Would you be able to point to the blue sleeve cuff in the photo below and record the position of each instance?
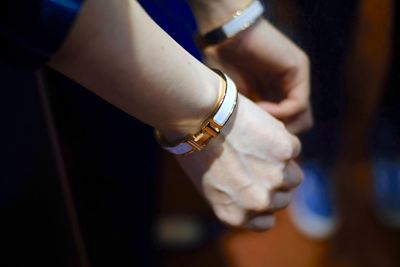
(32, 30)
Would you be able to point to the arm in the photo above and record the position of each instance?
(119, 53)
(264, 63)
(129, 61)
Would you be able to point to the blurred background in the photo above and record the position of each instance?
(83, 184)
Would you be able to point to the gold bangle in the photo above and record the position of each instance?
(211, 127)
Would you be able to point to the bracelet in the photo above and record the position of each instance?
(241, 20)
(211, 127)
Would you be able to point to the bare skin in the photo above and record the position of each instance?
(266, 65)
(136, 66)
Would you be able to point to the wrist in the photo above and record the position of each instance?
(212, 125)
(187, 119)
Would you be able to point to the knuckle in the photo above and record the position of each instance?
(280, 124)
(286, 149)
(233, 219)
(234, 222)
(296, 174)
(303, 106)
(297, 147)
(260, 204)
(255, 198)
(300, 178)
(280, 182)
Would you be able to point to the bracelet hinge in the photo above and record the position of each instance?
(209, 130)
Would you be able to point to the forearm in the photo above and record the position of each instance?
(213, 13)
(119, 53)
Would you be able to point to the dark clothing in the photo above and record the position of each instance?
(32, 30)
(114, 186)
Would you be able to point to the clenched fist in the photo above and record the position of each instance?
(248, 172)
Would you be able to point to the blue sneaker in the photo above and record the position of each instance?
(312, 209)
(387, 191)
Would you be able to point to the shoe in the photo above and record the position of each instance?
(312, 209)
(387, 191)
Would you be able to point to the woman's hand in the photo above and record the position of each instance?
(248, 172)
(270, 69)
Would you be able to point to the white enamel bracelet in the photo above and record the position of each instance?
(240, 21)
(211, 127)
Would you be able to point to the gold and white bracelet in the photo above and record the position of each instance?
(211, 127)
(240, 21)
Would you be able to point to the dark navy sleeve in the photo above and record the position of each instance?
(32, 30)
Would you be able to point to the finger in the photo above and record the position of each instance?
(296, 88)
(281, 199)
(300, 123)
(285, 109)
(288, 147)
(261, 223)
(292, 176)
(254, 198)
(231, 215)
(296, 146)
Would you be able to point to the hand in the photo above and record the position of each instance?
(247, 172)
(270, 69)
